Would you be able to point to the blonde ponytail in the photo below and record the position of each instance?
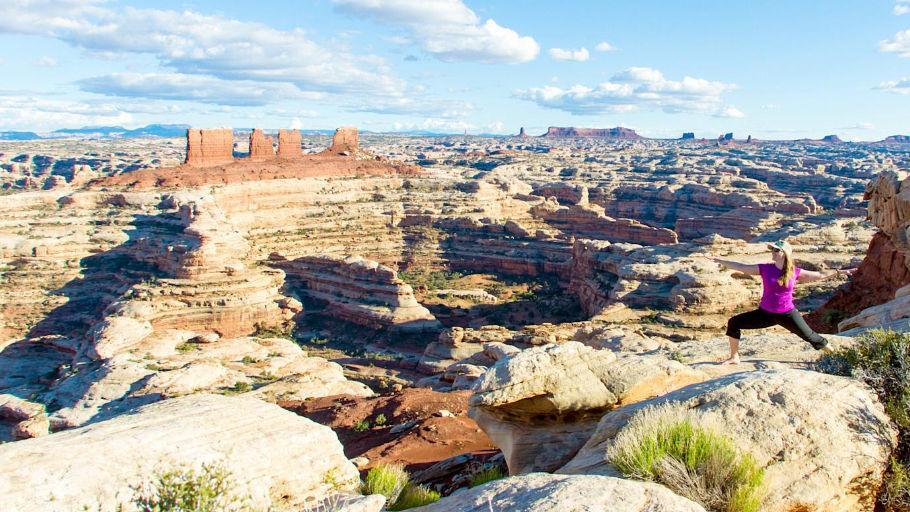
(786, 273)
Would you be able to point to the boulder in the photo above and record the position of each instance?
(539, 406)
(541, 492)
(823, 440)
(271, 454)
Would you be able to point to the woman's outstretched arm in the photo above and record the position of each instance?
(807, 276)
(745, 268)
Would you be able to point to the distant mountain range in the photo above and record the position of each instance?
(179, 130)
(102, 132)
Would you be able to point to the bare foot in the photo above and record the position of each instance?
(730, 361)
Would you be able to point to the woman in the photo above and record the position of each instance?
(776, 306)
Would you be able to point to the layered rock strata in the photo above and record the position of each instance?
(608, 133)
(361, 291)
(346, 138)
(261, 146)
(881, 280)
(289, 144)
(209, 147)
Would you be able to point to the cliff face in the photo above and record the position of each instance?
(608, 133)
(877, 284)
(209, 147)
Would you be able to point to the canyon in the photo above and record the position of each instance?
(541, 291)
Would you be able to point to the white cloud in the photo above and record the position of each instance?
(433, 124)
(44, 114)
(859, 127)
(414, 105)
(901, 7)
(899, 44)
(449, 30)
(579, 55)
(184, 87)
(46, 61)
(901, 86)
(604, 46)
(634, 89)
(296, 124)
(200, 44)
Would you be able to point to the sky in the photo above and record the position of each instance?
(772, 69)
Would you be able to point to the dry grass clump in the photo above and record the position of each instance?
(393, 482)
(677, 448)
(487, 475)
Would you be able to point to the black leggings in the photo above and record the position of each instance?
(791, 321)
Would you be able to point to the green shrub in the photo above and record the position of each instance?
(414, 496)
(238, 388)
(882, 360)
(362, 426)
(184, 490)
(380, 420)
(388, 480)
(487, 475)
(672, 446)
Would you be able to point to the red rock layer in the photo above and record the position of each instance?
(289, 144)
(882, 272)
(307, 166)
(260, 146)
(209, 147)
(346, 138)
(610, 133)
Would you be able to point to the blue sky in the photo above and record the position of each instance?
(773, 69)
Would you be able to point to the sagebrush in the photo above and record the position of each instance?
(207, 489)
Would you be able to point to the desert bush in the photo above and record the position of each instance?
(677, 448)
(414, 496)
(487, 475)
(185, 489)
(380, 420)
(388, 480)
(362, 426)
(881, 359)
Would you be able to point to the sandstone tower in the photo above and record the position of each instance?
(345, 139)
(289, 144)
(209, 147)
(261, 146)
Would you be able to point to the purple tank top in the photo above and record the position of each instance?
(776, 298)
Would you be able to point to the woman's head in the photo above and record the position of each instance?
(782, 254)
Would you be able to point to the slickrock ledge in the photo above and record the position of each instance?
(823, 440)
(539, 406)
(274, 456)
(541, 492)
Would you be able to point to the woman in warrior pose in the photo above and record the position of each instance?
(776, 306)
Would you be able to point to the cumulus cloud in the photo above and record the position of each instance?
(448, 29)
(579, 55)
(901, 7)
(432, 124)
(900, 86)
(604, 46)
(414, 105)
(45, 113)
(899, 44)
(184, 87)
(193, 43)
(634, 89)
(859, 126)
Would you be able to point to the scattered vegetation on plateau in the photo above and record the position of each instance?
(208, 489)
(882, 360)
(487, 475)
(393, 482)
(422, 279)
(673, 446)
